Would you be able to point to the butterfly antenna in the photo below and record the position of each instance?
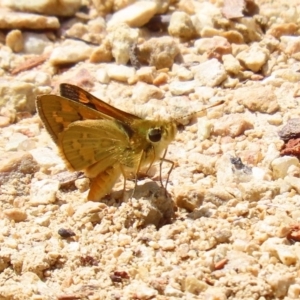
(196, 112)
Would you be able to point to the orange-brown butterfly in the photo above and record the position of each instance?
(101, 140)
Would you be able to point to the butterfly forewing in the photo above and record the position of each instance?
(57, 113)
(78, 94)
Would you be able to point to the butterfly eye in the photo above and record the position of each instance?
(154, 134)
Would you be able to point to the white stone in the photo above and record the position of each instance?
(120, 72)
(205, 128)
(167, 245)
(18, 94)
(12, 20)
(102, 76)
(46, 157)
(47, 7)
(184, 74)
(121, 38)
(70, 52)
(210, 73)
(43, 192)
(14, 141)
(178, 88)
(286, 255)
(231, 64)
(293, 182)
(181, 25)
(135, 15)
(281, 165)
(35, 43)
(254, 57)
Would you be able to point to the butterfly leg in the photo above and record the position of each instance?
(163, 159)
(136, 173)
(124, 185)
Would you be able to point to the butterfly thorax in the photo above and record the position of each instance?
(148, 140)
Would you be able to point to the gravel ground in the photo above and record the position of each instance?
(229, 225)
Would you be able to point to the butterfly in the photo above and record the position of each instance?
(101, 140)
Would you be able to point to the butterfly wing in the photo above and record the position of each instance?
(57, 113)
(78, 94)
(93, 145)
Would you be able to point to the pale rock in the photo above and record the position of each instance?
(286, 255)
(290, 45)
(16, 214)
(257, 98)
(230, 83)
(102, 53)
(215, 293)
(254, 57)
(205, 128)
(256, 191)
(189, 197)
(106, 7)
(260, 174)
(271, 154)
(178, 88)
(70, 52)
(204, 16)
(93, 31)
(294, 291)
(120, 72)
(167, 245)
(20, 20)
(14, 141)
(38, 78)
(145, 292)
(4, 121)
(102, 76)
(14, 40)
(286, 75)
(279, 282)
(193, 285)
(205, 92)
(162, 6)
(64, 8)
(43, 220)
(160, 79)
(170, 291)
(293, 182)
(90, 212)
(135, 15)
(82, 184)
(184, 74)
(17, 94)
(281, 165)
(18, 162)
(231, 64)
(284, 29)
(232, 125)
(181, 25)
(43, 192)
(35, 43)
(146, 74)
(159, 52)
(46, 157)
(210, 73)
(121, 38)
(213, 44)
(143, 92)
(249, 28)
